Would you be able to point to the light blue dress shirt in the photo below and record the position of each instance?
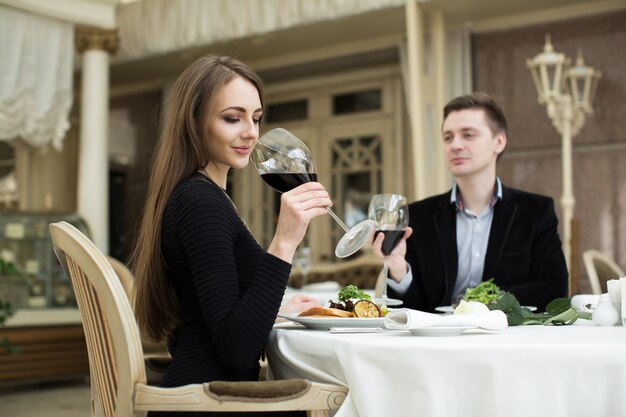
(472, 238)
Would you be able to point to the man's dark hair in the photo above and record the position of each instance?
(494, 113)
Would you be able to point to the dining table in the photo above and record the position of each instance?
(521, 371)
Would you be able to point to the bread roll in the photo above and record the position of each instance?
(325, 312)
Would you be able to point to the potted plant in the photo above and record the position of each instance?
(7, 268)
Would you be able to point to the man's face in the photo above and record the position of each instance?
(470, 147)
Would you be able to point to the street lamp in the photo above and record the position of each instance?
(568, 93)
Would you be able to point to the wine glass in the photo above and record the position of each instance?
(284, 162)
(390, 214)
(302, 262)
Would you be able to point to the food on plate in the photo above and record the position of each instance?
(349, 296)
(366, 309)
(351, 292)
(466, 307)
(325, 312)
(486, 292)
(351, 302)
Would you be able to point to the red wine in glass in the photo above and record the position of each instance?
(284, 162)
(286, 181)
(392, 238)
(390, 214)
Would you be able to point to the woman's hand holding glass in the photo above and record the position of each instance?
(284, 162)
(297, 207)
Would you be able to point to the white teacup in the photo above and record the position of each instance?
(585, 302)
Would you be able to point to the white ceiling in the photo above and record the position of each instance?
(330, 37)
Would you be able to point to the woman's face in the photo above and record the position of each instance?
(233, 128)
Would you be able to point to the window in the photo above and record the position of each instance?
(287, 111)
(356, 169)
(361, 101)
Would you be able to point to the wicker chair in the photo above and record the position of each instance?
(116, 362)
(600, 268)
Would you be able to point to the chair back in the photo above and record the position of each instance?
(150, 347)
(113, 342)
(125, 276)
(600, 268)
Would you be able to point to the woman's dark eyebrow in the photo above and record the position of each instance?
(240, 109)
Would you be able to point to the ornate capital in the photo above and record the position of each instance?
(88, 37)
(564, 114)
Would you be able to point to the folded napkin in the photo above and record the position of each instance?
(407, 319)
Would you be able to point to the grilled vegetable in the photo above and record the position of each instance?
(366, 309)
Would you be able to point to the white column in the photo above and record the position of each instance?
(415, 55)
(567, 198)
(440, 73)
(93, 164)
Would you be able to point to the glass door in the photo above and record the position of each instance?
(352, 161)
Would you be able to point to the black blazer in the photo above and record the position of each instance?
(524, 254)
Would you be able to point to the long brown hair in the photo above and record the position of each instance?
(181, 151)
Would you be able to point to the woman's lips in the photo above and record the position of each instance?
(242, 150)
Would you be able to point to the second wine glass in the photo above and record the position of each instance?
(390, 214)
(302, 262)
(284, 162)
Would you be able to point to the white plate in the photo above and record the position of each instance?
(387, 301)
(325, 323)
(450, 309)
(440, 330)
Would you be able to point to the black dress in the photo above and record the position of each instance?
(229, 289)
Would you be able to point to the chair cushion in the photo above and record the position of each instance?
(257, 390)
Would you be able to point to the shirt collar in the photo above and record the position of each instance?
(458, 202)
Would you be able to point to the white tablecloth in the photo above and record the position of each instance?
(524, 371)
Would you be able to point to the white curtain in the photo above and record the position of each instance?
(36, 67)
(158, 26)
(459, 63)
(458, 81)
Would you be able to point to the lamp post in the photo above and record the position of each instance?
(568, 93)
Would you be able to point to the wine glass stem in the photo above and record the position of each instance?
(385, 271)
(337, 219)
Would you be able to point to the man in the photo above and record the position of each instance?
(479, 229)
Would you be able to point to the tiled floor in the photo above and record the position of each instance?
(53, 400)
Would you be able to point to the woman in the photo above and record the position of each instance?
(202, 281)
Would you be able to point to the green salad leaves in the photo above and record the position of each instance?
(486, 292)
(558, 312)
(352, 292)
